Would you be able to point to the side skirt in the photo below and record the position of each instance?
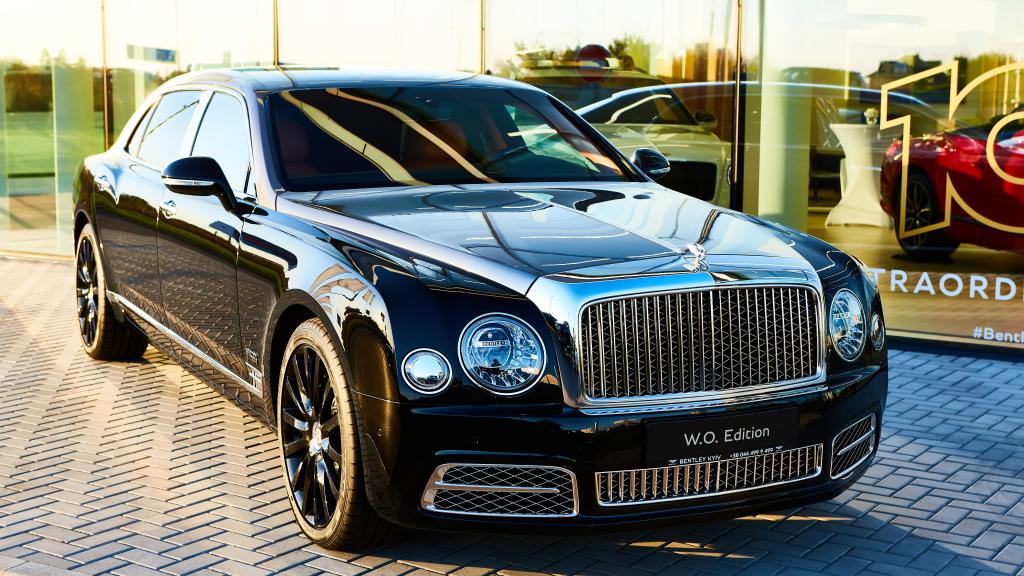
(194, 360)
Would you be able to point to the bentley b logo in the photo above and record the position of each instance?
(697, 257)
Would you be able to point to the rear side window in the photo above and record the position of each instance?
(140, 129)
(161, 141)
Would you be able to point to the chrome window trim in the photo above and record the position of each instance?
(869, 435)
(436, 483)
(694, 399)
(817, 472)
(122, 301)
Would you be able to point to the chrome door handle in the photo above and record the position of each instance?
(168, 209)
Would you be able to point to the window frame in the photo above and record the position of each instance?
(630, 173)
(147, 118)
(193, 133)
(139, 130)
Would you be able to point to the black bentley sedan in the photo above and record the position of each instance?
(461, 308)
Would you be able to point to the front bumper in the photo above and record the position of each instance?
(402, 464)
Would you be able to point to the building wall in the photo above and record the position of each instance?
(802, 142)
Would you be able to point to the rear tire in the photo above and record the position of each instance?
(103, 335)
(318, 436)
(922, 210)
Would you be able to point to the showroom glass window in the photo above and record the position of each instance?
(224, 136)
(905, 153)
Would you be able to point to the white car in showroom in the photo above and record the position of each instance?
(655, 117)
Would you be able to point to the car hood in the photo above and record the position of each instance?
(587, 231)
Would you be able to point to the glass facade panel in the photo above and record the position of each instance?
(896, 132)
(893, 130)
(150, 41)
(52, 116)
(646, 74)
(411, 34)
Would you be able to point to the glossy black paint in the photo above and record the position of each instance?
(392, 270)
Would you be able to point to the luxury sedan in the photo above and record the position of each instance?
(657, 118)
(460, 307)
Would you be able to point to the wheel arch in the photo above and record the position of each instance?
(293, 308)
(365, 352)
(81, 219)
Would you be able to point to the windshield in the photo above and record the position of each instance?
(659, 106)
(399, 136)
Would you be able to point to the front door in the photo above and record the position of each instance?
(197, 241)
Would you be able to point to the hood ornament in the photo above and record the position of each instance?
(696, 257)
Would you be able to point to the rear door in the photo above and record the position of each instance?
(198, 246)
(127, 215)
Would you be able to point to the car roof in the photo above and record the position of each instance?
(277, 78)
(731, 85)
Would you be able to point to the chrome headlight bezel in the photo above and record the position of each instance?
(500, 317)
(857, 328)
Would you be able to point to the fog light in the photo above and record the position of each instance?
(427, 371)
(877, 332)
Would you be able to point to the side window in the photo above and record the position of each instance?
(224, 136)
(161, 143)
(136, 140)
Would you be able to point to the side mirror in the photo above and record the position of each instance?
(199, 176)
(651, 162)
(707, 120)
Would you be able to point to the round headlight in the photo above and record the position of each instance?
(847, 324)
(426, 371)
(501, 353)
(877, 332)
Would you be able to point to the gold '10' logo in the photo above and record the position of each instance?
(972, 203)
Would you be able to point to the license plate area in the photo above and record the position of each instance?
(694, 440)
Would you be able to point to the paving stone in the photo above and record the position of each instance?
(158, 474)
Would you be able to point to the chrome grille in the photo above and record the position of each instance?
(707, 479)
(853, 445)
(501, 490)
(699, 341)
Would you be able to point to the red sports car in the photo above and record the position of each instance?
(987, 203)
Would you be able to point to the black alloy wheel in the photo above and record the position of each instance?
(311, 436)
(87, 291)
(919, 211)
(922, 210)
(104, 336)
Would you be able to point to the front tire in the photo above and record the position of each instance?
(103, 336)
(318, 436)
(923, 209)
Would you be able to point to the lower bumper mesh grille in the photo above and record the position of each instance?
(853, 445)
(707, 479)
(501, 490)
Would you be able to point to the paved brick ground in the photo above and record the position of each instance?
(137, 468)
